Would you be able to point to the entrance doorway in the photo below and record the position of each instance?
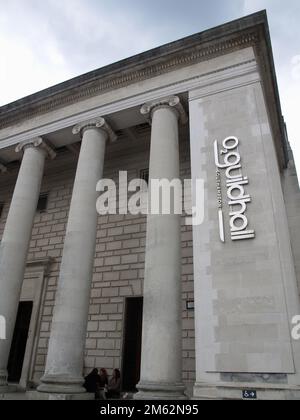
(18, 347)
(132, 343)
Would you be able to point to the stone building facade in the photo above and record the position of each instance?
(218, 299)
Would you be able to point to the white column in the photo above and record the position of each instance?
(64, 366)
(16, 238)
(161, 369)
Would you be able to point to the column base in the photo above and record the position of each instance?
(203, 391)
(3, 378)
(37, 396)
(52, 384)
(160, 391)
(8, 389)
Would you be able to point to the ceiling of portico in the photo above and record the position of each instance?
(130, 126)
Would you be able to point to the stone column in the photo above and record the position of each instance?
(161, 368)
(16, 238)
(64, 366)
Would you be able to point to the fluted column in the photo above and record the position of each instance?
(64, 366)
(16, 238)
(161, 368)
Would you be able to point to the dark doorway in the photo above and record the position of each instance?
(132, 343)
(18, 347)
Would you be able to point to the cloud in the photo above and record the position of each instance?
(44, 43)
(47, 42)
(94, 36)
(30, 56)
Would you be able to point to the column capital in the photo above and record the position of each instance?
(99, 123)
(172, 102)
(36, 142)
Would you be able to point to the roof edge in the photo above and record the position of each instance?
(127, 64)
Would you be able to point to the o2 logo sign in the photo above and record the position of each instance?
(296, 329)
(2, 328)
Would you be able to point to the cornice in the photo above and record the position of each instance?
(215, 76)
(134, 74)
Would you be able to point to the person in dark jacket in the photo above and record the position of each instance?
(91, 382)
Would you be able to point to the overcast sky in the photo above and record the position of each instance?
(44, 42)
